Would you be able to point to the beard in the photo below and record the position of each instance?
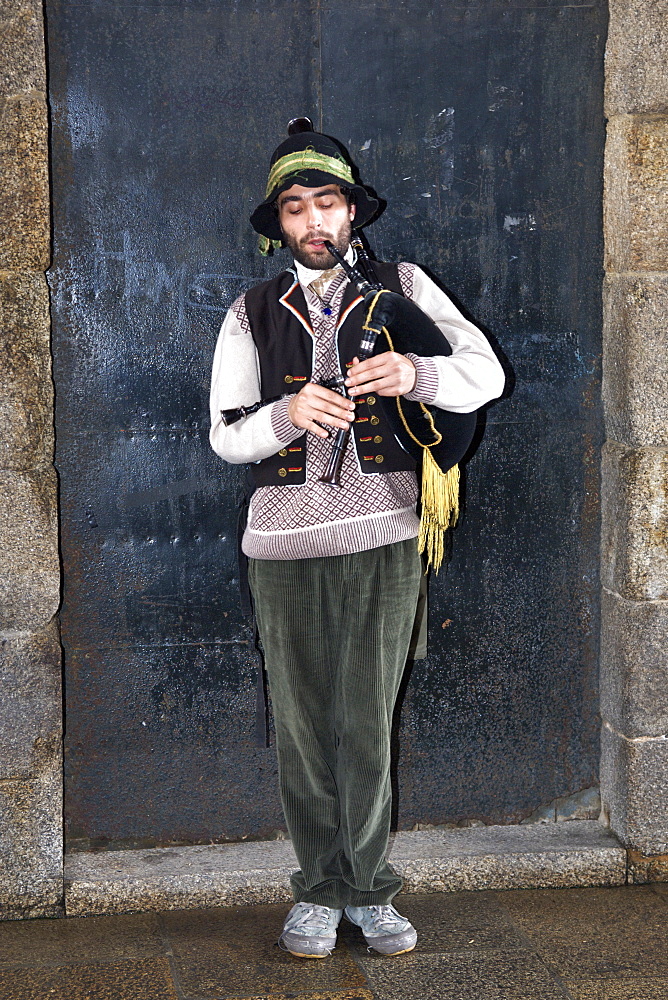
(322, 260)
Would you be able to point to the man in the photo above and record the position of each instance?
(334, 573)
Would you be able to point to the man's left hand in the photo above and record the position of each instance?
(388, 374)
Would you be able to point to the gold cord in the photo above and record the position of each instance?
(439, 494)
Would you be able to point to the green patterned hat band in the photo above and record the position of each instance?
(294, 164)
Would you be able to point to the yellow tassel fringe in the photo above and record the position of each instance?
(440, 508)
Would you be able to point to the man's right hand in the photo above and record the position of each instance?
(314, 404)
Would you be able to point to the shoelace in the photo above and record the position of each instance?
(313, 916)
(383, 918)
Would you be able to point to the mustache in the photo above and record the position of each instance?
(317, 236)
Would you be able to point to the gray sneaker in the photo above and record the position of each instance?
(309, 931)
(383, 928)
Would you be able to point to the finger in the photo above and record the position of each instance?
(305, 415)
(333, 417)
(333, 421)
(368, 365)
(378, 359)
(326, 425)
(388, 386)
(315, 405)
(320, 393)
(339, 407)
(325, 410)
(369, 381)
(319, 429)
(368, 369)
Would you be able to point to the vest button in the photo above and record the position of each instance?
(375, 420)
(371, 400)
(379, 459)
(282, 473)
(283, 452)
(378, 439)
(288, 379)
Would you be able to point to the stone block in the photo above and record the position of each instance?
(635, 198)
(636, 57)
(30, 702)
(26, 389)
(31, 845)
(634, 666)
(24, 193)
(493, 857)
(634, 789)
(30, 579)
(635, 383)
(634, 515)
(22, 62)
(554, 855)
(647, 868)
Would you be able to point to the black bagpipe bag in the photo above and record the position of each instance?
(406, 328)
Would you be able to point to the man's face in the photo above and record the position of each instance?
(308, 216)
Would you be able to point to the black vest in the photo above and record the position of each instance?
(281, 328)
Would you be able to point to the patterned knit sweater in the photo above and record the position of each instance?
(296, 522)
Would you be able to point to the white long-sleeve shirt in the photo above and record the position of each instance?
(287, 522)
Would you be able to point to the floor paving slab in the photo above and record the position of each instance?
(614, 933)
(494, 974)
(149, 979)
(580, 852)
(448, 922)
(354, 994)
(233, 951)
(81, 940)
(566, 944)
(640, 989)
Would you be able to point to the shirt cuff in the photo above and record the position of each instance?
(281, 425)
(426, 383)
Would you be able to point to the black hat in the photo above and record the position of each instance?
(311, 159)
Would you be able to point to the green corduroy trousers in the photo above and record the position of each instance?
(335, 633)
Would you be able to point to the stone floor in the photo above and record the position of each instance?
(542, 944)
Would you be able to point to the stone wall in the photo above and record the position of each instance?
(30, 697)
(634, 658)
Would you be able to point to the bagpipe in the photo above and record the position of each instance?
(436, 438)
(398, 324)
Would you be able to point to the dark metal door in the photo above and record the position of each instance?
(482, 126)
